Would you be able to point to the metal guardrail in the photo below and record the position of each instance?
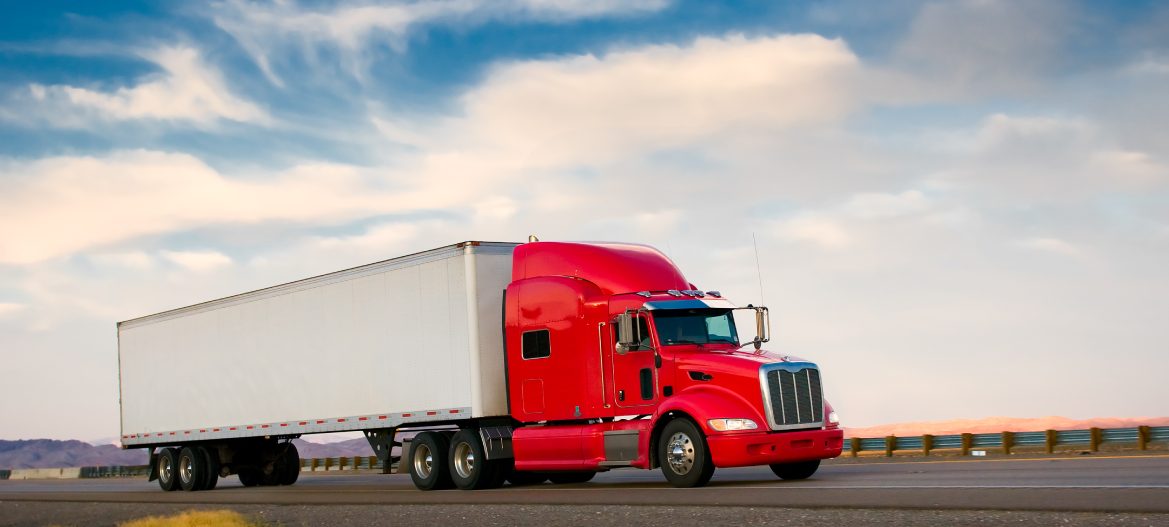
(341, 463)
(1140, 437)
(1050, 440)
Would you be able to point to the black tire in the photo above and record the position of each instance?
(432, 473)
(684, 455)
(469, 467)
(211, 460)
(801, 470)
(168, 469)
(250, 477)
(192, 468)
(518, 479)
(289, 463)
(566, 478)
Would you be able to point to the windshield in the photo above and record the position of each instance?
(695, 326)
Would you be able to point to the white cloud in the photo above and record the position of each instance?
(591, 109)
(8, 309)
(1051, 245)
(377, 238)
(188, 89)
(267, 28)
(137, 260)
(873, 205)
(967, 46)
(56, 206)
(198, 261)
(823, 232)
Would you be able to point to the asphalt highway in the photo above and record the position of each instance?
(1098, 484)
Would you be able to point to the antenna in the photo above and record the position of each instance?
(532, 238)
(758, 273)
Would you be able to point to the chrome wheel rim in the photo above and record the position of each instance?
(464, 460)
(166, 470)
(680, 453)
(186, 468)
(423, 461)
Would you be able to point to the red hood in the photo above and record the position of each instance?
(744, 363)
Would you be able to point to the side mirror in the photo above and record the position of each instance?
(762, 327)
(626, 340)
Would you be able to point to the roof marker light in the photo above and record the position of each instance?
(674, 292)
(715, 294)
(645, 294)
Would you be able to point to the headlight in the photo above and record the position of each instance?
(729, 425)
(833, 418)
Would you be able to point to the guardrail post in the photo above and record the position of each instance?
(854, 446)
(1094, 439)
(372, 462)
(342, 462)
(1142, 438)
(890, 445)
(1008, 442)
(313, 466)
(328, 463)
(1052, 438)
(927, 444)
(967, 441)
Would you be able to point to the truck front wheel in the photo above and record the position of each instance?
(684, 456)
(801, 470)
(428, 461)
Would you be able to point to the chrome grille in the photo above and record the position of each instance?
(792, 395)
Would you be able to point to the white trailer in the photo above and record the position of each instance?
(409, 340)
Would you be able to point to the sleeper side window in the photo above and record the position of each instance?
(536, 345)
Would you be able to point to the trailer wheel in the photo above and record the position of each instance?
(801, 470)
(428, 461)
(211, 460)
(289, 463)
(518, 478)
(469, 467)
(250, 477)
(192, 468)
(565, 478)
(684, 455)
(168, 463)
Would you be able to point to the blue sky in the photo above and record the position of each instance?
(963, 204)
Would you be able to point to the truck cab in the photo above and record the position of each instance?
(614, 359)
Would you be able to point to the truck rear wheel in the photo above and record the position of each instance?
(192, 468)
(211, 460)
(168, 463)
(684, 456)
(801, 470)
(289, 463)
(469, 467)
(250, 477)
(428, 461)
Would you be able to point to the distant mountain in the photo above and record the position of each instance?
(348, 448)
(50, 453)
(1000, 424)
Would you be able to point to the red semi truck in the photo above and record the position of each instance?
(503, 362)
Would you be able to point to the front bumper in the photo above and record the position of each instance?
(766, 448)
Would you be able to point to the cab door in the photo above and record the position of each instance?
(634, 375)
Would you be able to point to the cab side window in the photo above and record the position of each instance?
(536, 345)
(641, 331)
